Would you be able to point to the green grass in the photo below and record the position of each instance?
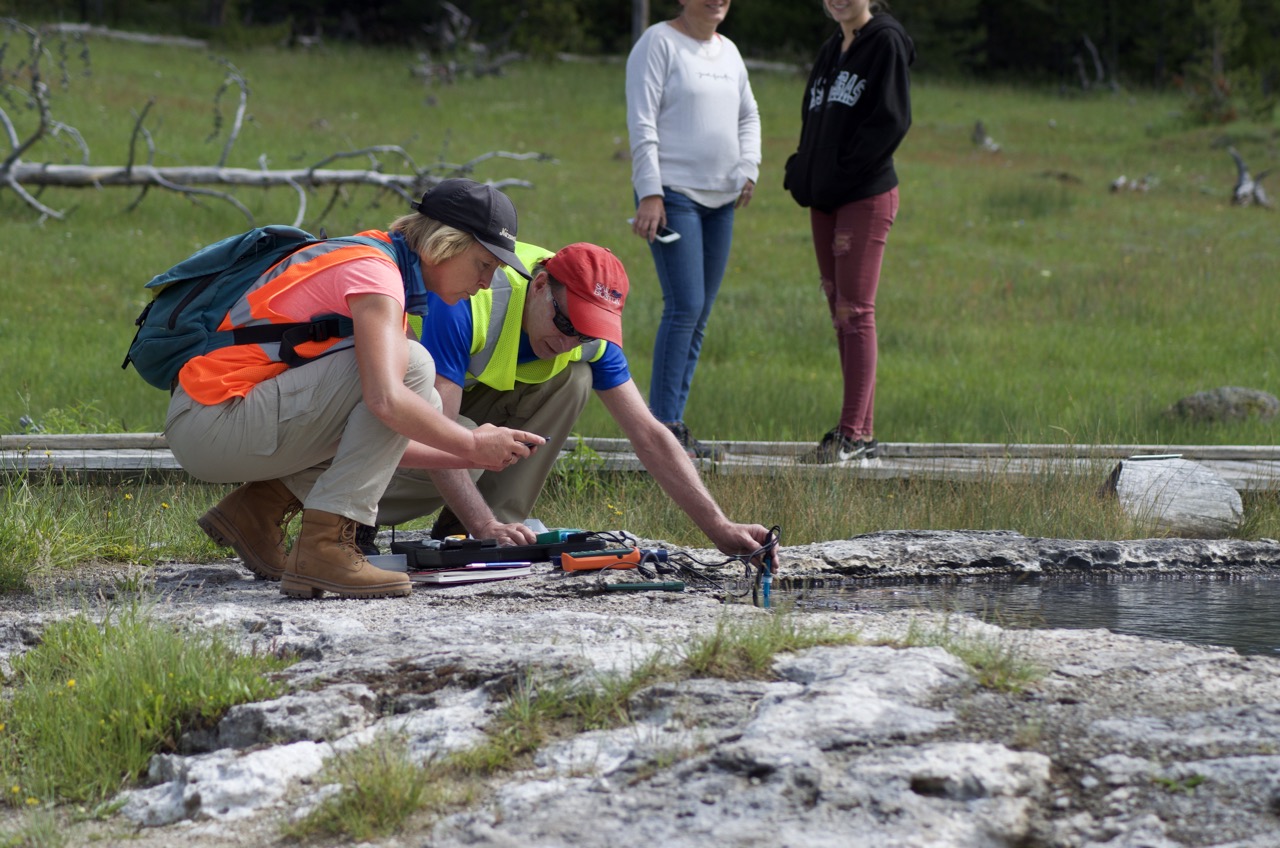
(1055, 504)
(381, 789)
(745, 650)
(38, 829)
(998, 661)
(85, 710)
(1014, 305)
(48, 525)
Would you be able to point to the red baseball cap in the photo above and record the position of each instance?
(597, 286)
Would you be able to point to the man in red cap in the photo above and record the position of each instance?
(525, 353)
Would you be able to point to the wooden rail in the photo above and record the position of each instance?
(1245, 467)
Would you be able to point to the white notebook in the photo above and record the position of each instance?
(474, 573)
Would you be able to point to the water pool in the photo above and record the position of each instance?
(1241, 612)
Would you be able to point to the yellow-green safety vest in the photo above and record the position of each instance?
(496, 317)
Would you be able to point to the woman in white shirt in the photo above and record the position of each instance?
(695, 158)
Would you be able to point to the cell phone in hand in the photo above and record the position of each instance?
(666, 235)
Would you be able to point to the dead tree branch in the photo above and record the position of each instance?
(24, 87)
(35, 95)
(233, 77)
(1099, 67)
(119, 35)
(1099, 75)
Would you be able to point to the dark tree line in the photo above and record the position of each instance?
(1077, 43)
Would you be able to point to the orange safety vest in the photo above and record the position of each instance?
(233, 371)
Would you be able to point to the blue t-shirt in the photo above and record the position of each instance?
(446, 334)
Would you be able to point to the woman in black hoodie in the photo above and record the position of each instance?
(856, 111)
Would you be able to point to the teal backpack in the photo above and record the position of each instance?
(191, 299)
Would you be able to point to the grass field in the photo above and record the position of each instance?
(1021, 300)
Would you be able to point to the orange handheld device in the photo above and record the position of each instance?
(596, 560)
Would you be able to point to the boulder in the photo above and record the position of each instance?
(1228, 403)
(1178, 496)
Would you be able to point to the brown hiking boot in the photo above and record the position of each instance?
(252, 520)
(325, 558)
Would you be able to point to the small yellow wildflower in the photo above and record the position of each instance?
(71, 684)
(16, 789)
(128, 496)
(164, 505)
(31, 802)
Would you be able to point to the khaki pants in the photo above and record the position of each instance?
(550, 409)
(308, 428)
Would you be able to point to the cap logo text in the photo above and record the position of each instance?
(605, 293)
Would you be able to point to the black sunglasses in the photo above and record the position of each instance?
(564, 325)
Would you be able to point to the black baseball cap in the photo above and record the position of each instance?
(479, 209)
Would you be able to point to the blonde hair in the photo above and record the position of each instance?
(436, 241)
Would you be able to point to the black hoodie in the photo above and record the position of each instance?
(856, 111)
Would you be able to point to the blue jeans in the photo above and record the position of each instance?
(690, 270)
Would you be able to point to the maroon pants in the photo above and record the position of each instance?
(850, 247)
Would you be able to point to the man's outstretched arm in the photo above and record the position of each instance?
(666, 460)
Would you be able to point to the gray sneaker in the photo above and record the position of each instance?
(837, 447)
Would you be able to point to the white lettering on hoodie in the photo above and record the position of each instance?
(846, 90)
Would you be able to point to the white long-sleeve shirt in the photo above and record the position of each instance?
(691, 117)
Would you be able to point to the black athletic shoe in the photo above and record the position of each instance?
(693, 448)
(367, 539)
(447, 524)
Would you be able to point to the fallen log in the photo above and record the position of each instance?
(98, 176)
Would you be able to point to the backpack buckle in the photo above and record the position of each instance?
(324, 329)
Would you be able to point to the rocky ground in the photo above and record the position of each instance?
(1119, 741)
